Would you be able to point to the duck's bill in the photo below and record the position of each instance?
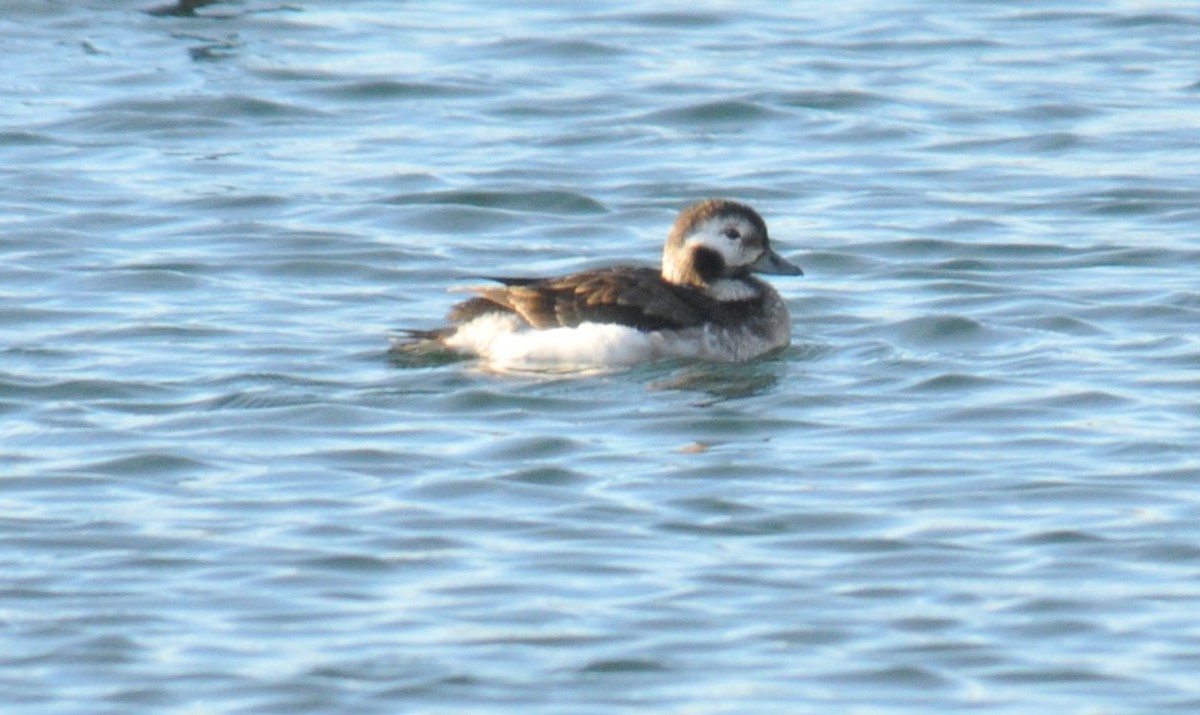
(772, 262)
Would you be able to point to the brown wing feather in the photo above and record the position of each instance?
(637, 297)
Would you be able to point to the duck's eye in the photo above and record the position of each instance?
(731, 233)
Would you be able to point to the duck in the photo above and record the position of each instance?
(704, 302)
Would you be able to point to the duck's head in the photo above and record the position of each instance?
(716, 244)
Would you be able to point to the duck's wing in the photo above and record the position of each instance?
(637, 297)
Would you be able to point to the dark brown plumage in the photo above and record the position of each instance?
(637, 297)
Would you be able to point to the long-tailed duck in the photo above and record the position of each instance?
(704, 303)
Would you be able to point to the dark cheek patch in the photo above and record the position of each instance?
(709, 264)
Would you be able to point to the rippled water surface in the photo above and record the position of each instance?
(971, 482)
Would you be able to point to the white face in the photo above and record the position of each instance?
(733, 237)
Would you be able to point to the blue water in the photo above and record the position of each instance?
(972, 482)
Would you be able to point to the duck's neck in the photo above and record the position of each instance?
(728, 290)
(706, 271)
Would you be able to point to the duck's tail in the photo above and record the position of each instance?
(419, 341)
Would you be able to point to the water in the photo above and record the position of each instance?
(970, 482)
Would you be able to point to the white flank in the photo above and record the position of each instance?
(476, 337)
(506, 344)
